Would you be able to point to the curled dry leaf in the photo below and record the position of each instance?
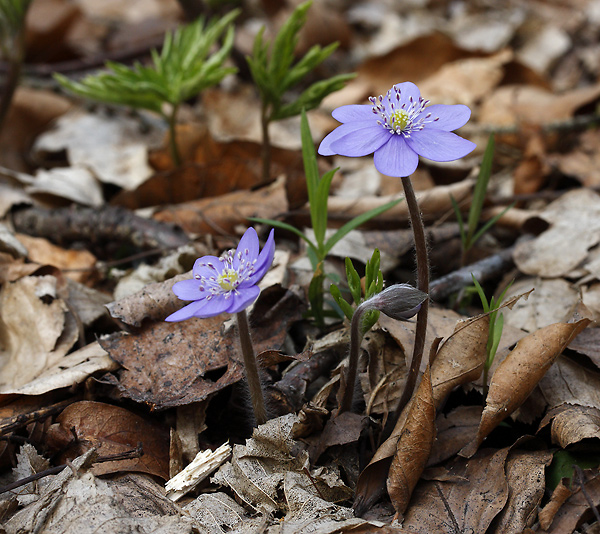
(571, 424)
(476, 491)
(519, 373)
(454, 431)
(461, 358)
(111, 429)
(414, 446)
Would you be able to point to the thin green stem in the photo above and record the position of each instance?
(422, 260)
(266, 144)
(173, 148)
(251, 367)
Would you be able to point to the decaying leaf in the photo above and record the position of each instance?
(36, 330)
(516, 377)
(563, 246)
(111, 430)
(414, 446)
(454, 431)
(479, 481)
(571, 424)
(461, 358)
(272, 462)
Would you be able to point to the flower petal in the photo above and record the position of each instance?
(247, 248)
(265, 259)
(187, 312)
(353, 113)
(359, 138)
(438, 145)
(188, 290)
(325, 148)
(396, 158)
(407, 90)
(448, 117)
(243, 299)
(208, 266)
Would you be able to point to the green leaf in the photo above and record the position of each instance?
(369, 319)
(319, 206)
(481, 293)
(480, 190)
(461, 224)
(564, 460)
(353, 281)
(357, 221)
(490, 223)
(341, 302)
(315, 294)
(183, 68)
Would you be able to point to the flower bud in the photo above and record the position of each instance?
(400, 301)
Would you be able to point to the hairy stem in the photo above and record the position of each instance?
(11, 81)
(355, 341)
(251, 367)
(265, 153)
(173, 148)
(422, 258)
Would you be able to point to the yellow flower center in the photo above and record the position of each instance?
(228, 279)
(399, 120)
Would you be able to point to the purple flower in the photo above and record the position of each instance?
(398, 128)
(225, 284)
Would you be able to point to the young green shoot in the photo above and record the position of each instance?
(469, 232)
(275, 74)
(496, 327)
(186, 65)
(318, 196)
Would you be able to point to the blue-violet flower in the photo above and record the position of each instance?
(225, 284)
(398, 128)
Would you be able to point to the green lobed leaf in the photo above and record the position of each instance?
(341, 302)
(353, 281)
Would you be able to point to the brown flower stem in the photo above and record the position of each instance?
(355, 340)
(422, 260)
(251, 367)
(173, 147)
(266, 145)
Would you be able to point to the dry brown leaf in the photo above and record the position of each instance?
(583, 162)
(571, 424)
(588, 343)
(414, 446)
(465, 81)
(563, 246)
(533, 169)
(572, 510)
(172, 364)
(432, 203)
(36, 330)
(526, 486)
(511, 105)
(461, 358)
(378, 74)
(520, 372)
(111, 429)
(454, 431)
(222, 214)
(560, 494)
(78, 264)
(553, 300)
(477, 492)
(568, 382)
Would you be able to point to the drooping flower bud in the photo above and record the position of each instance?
(400, 301)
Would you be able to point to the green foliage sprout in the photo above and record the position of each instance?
(470, 234)
(275, 74)
(496, 327)
(373, 285)
(184, 67)
(318, 196)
